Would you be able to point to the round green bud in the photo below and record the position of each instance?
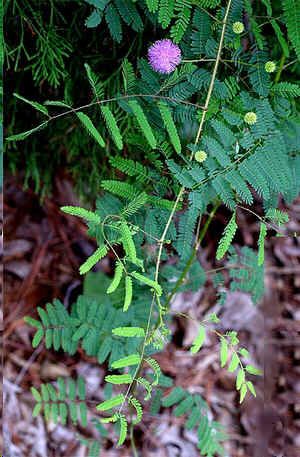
(200, 156)
(270, 66)
(238, 27)
(250, 118)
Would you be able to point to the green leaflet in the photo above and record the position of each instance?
(165, 12)
(116, 279)
(123, 429)
(170, 126)
(23, 135)
(88, 124)
(129, 332)
(119, 379)
(155, 367)
(95, 82)
(133, 359)
(81, 212)
(111, 403)
(93, 259)
(261, 243)
(135, 205)
(112, 126)
(227, 237)
(138, 409)
(199, 340)
(128, 293)
(35, 105)
(128, 242)
(149, 282)
(234, 362)
(143, 122)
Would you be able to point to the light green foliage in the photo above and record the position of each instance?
(89, 216)
(210, 433)
(170, 126)
(133, 359)
(261, 243)
(148, 281)
(199, 340)
(128, 293)
(112, 126)
(119, 379)
(229, 342)
(143, 122)
(156, 369)
(88, 124)
(129, 332)
(111, 403)
(138, 409)
(116, 279)
(93, 259)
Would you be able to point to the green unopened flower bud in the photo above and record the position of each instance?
(238, 27)
(250, 118)
(270, 66)
(200, 156)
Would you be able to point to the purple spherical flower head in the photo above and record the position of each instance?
(164, 56)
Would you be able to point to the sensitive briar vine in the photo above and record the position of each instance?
(207, 137)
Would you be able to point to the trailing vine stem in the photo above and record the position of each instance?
(178, 198)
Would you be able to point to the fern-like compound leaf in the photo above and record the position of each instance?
(35, 105)
(123, 429)
(138, 409)
(261, 243)
(93, 259)
(147, 386)
(128, 293)
(112, 126)
(88, 124)
(155, 367)
(228, 235)
(111, 403)
(133, 359)
(129, 332)
(143, 122)
(170, 126)
(166, 12)
(119, 379)
(116, 279)
(95, 82)
(149, 282)
(127, 241)
(81, 212)
(291, 10)
(175, 396)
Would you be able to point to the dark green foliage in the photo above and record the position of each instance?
(210, 433)
(66, 399)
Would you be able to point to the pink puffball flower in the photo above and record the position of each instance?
(164, 56)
